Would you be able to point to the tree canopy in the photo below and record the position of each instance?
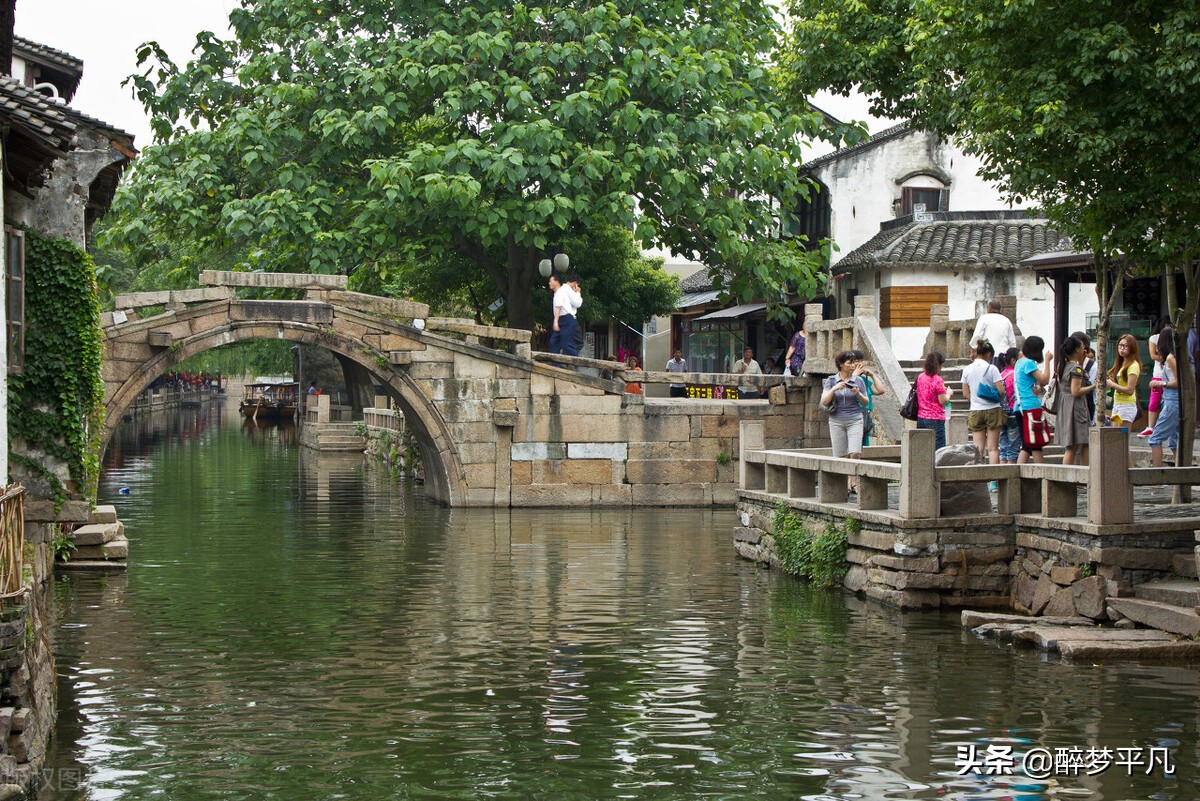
(324, 136)
(1086, 106)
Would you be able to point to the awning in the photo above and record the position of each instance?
(697, 299)
(734, 312)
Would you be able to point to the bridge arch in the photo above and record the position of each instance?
(444, 472)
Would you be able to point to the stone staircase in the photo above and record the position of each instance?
(100, 545)
(1170, 605)
(956, 431)
(327, 437)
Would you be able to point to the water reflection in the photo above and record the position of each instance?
(298, 626)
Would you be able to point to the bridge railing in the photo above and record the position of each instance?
(619, 372)
(1043, 490)
(952, 338)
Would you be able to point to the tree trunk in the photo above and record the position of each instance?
(519, 299)
(1109, 280)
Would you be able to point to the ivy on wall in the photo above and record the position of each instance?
(56, 405)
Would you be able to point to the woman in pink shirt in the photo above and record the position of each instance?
(932, 397)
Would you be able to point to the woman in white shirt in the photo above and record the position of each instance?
(982, 383)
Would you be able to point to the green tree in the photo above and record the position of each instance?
(1086, 106)
(618, 281)
(331, 134)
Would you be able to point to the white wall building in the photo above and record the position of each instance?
(915, 225)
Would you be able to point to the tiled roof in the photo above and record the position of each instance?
(959, 242)
(65, 61)
(111, 130)
(35, 114)
(866, 144)
(699, 281)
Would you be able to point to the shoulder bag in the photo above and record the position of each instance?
(909, 410)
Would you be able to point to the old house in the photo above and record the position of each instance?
(915, 225)
(61, 169)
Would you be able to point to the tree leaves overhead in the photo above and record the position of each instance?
(331, 133)
(1087, 106)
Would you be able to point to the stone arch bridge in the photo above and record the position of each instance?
(496, 427)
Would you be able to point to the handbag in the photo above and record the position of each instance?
(868, 422)
(909, 410)
(987, 392)
(1039, 433)
(1050, 397)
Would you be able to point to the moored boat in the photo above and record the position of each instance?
(269, 401)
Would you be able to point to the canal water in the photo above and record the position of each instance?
(302, 627)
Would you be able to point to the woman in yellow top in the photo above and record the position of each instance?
(1123, 379)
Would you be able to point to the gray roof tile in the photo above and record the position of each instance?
(63, 60)
(961, 242)
(33, 112)
(699, 281)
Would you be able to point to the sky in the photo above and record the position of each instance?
(106, 37)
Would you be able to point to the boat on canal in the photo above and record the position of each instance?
(269, 401)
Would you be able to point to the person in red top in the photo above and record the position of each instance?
(932, 397)
(633, 387)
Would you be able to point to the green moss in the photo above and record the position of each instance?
(820, 557)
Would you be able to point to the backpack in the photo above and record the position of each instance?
(1050, 398)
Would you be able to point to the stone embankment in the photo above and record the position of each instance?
(28, 698)
(1130, 595)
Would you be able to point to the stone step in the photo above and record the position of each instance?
(1177, 592)
(1157, 615)
(104, 514)
(97, 533)
(1104, 649)
(92, 566)
(1185, 565)
(117, 549)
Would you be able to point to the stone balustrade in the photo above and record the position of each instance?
(827, 338)
(911, 548)
(952, 338)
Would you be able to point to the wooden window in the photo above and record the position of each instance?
(812, 218)
(912, 196)
(14, 284)
(908, 306)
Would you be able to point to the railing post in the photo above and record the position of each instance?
(920, 495)
(866, 306)
(751, 437)
(1110, 495)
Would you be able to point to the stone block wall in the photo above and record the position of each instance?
(920, 567)
(28, 692)
(572, 447)
(1069, 573)
(967, 562)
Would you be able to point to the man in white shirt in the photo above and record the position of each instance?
(566, 302)
(676, 364)
(997, 329)
(748, 367)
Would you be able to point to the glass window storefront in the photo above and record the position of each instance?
(712, 346)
